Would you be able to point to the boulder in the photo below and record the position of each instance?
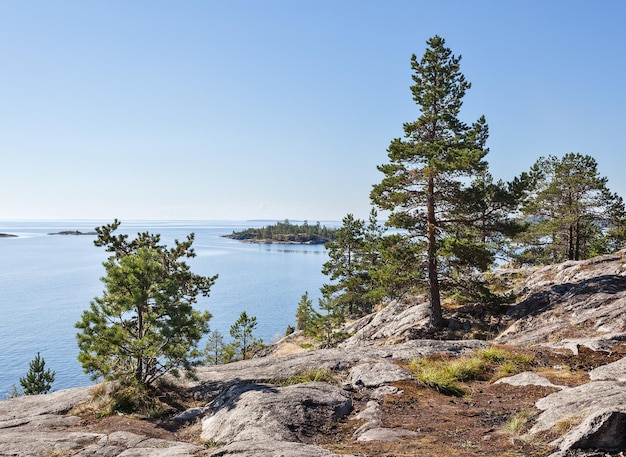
(261, 412)
(603, 429)
(528, 378)
(595, 414)
(376, 374)
(372, 430)
(615, 371)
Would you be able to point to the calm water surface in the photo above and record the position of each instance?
(47, 281)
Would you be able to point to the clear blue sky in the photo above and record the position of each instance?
(277, 109)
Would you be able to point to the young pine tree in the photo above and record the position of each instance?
(242, 333)
(215, 349)
(38, 380)
(144, 324)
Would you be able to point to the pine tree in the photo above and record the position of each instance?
(215, 348)
(38, 380)
(144, 325)
(425, 183)
(305, 315)
(347, 269)
(572, 213)
(242, 333)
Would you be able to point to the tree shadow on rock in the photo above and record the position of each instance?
(545, 300)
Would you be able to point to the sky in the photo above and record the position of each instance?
(274, 109)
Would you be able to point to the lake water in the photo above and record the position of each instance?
(47, 281)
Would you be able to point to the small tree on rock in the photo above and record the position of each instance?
(38, 380)
(216, 349)
(241, 331)
(144, 325)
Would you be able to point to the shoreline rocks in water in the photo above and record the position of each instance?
(7, 235)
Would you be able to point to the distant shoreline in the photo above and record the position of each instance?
(7, 235)
(271, 241)
(73, 233)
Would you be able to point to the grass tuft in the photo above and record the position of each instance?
(311, 375)
(519, 423)
(446, 375)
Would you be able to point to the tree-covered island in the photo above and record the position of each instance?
(286, 233)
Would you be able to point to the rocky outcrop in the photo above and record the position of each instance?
(38, 425)
(571, 304)
(593, 414)
(257, 416)
(394, 323)
(250, 409)
(335, 359)
(376, 374)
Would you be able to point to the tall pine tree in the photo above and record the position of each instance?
(426, 184)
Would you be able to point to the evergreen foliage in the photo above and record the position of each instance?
(286, 232)
(572, 214)
(38, 380)
(427, 184)
(144, 324)
(216, 350)
(242, 333)
(347, 268)
(305, 315)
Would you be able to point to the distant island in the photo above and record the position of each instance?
(286, 233)
(72, 232)
(7, 235)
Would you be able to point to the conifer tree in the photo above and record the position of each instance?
(572, 213)
(215, 349)
(38, 380)
(242, 333)
(305, 315)
(347, 270)
(144, 325)
(425, 183)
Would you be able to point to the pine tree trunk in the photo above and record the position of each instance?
(436, 317)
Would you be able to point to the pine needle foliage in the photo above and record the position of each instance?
(39, 379)
(144, 325)
(436, 185)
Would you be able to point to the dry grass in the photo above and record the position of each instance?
(519, 423)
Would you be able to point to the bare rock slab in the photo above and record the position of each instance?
(598, 407)
(376, 374)
(528, 378)
(255, 412)
(615, 371)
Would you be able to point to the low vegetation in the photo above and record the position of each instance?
(311, 374)
(446, 375)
